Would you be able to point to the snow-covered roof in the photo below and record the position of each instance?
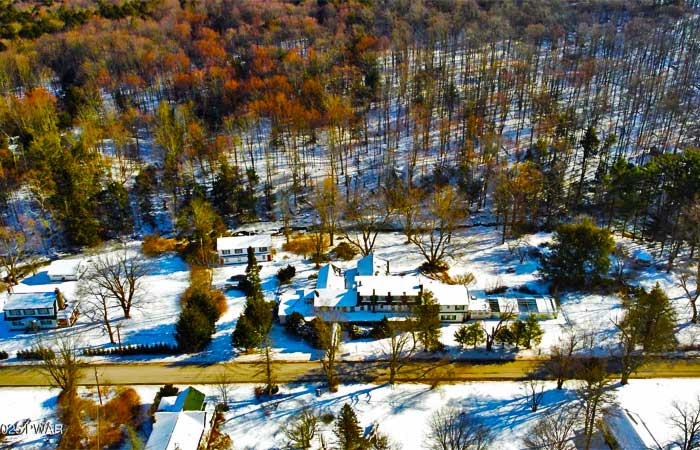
(334, 298)
(371, 265)
(330, 277)
(385, 285)
(189, 399)
(523, 305)
(295, 302)
(64, 267)
(30, 300)
(628, 429)
(177, 430)
(237, 242)
(447, 294)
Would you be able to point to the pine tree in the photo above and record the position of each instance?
(472, 334)
(256, 321)
(193, 330)
(428, 321)
(347, 430)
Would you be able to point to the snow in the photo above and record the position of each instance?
(30, 300)
(243, 242)
(402, 411)
(481, 253)
(64, 268)
(177, 430)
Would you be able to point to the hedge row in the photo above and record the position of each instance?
(4, 355)
(38, 353)
(139, 349)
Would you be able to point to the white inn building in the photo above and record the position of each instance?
(369, 292)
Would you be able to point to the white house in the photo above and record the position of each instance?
(65, 270)
(369, 291)
(181, 422)
(39, 310)
(234, 250)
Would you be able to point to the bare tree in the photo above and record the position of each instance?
(621, 261)
(534, 392)
(223, 387)
(63, 367)
(366, 214)
(593, 395)
(553, 431)
(505, 317)
(518, 247)
(692, 293)
(451, 428)
(97, 304)
(266, 367)
(685, 420)
(120, 276)
(331, 345)
(325, 199)
(401, 347)
(13, 248)
(302, 429)
(561, 362)
(435, 225)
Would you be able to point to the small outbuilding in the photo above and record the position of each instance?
(65, 270)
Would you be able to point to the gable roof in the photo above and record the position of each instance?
(30, 300)
(234, 242)
(177, 430)
(371, 265)
(330, 277)
(189, 399)
(64, 267)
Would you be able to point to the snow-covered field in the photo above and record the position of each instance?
(482, 254)
(401, 411)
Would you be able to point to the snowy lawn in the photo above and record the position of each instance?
(481, 253)
(401, 412)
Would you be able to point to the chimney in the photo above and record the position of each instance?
(387, 267)
(59, 299)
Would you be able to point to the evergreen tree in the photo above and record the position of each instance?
(193, 330)
(114, 211)
(256, 321)
(533, 332)
(347, 430)
(145, 186)
(472, 334)
(427, 314)
(580, 255)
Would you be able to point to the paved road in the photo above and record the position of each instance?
(304, 371)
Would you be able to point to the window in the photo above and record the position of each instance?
(225, 252)
(28, 312)
(238, 251)
(262, 249)
(459, 307)
(14, 312)
(46, 322)
(448, 317)
(17, 323)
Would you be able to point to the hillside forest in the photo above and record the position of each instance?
(121, 118)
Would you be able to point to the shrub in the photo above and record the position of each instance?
(193, 330)
(300, 245)
(295, 324)
(345, 251)
(154, 245)
(167, 390)
(38, 353)
(4, 355)
(327, 417)
(138, 349)
(381, 329)
(285, 274)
